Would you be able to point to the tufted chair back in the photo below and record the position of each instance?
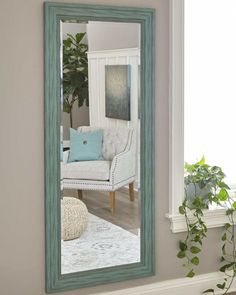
(115, 140)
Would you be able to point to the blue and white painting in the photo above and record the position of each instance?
(117, 90)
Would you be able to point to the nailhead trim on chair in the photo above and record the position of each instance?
(116, 159)
(67, 184)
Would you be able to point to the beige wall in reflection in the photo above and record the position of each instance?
(107, 36)
(22, 254)
(80, 118)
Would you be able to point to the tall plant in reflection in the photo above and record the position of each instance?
(204, 185)
(75, 73)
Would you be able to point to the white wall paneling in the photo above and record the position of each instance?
(96, 67)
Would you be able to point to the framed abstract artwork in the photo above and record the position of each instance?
(117, 91)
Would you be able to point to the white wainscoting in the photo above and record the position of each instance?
(96, 72)
(182, 286)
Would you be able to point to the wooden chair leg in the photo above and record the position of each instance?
(80, 194)
(131, 191)
(112, 201)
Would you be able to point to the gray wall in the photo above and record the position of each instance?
(109, 35)
(80, 117)
(22, 241)
(73, 29)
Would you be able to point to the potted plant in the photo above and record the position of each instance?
(75, 73)
(201, 180)
(204, 185)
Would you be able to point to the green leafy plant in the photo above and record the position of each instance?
(207, 187)
(75, 73)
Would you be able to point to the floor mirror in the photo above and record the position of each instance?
(99, 144)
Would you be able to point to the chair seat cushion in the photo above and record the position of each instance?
(94, 170)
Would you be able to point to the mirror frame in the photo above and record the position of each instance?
(53, 13)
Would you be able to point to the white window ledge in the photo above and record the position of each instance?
(213, 218)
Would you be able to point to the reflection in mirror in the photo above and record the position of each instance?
(100, 145)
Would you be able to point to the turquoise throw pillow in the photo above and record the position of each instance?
(85, 146)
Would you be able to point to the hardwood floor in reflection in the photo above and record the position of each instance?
(127, 213)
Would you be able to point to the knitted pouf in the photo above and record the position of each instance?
(74, 218)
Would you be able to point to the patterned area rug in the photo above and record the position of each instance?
(103, 244)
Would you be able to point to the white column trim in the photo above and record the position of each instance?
(176, 105)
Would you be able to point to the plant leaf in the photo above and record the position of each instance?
(79, 37)
(208, 291)
(223, 195)
(223, 185)
(195, 260)
(222, 259)
(202, 161)
(182, 246)
(190, 274)
(234, 205)
(181, 210)
(227, 225)
(229, 211)
(197, 201)
(226, 266)
(224, 237)
(195, 250)
(223, 250)
(181, 254)
(221, 286)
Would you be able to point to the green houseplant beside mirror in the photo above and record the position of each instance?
(204, 185)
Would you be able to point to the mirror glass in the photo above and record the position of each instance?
(100, 144)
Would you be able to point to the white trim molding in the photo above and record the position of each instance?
(123, 52)
(181, 286)
(176, 111)
(97, 60)
(176, 105)
(212, 218)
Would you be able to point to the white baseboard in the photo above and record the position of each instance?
(182, 286)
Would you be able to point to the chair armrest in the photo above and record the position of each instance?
(122, 166)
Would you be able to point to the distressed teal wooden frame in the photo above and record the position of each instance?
(53, 13)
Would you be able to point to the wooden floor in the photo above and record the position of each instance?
(127, 214)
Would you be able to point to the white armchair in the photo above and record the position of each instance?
(115, 170)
